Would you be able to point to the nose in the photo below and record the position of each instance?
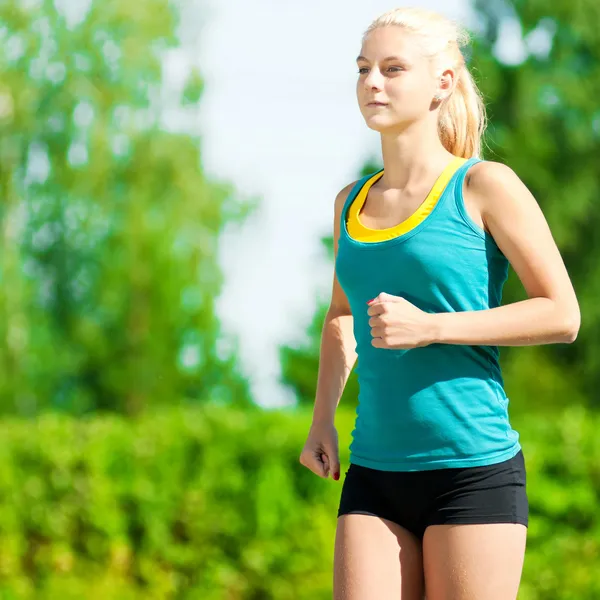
(374, 80)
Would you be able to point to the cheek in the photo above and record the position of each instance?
(410, 91)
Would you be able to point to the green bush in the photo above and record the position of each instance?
(212, 503)
(191, 503)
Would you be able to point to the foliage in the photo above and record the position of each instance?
(211, 502)
(109, 229)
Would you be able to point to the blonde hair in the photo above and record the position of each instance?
(462, 117)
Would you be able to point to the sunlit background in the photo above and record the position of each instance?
(167, 178)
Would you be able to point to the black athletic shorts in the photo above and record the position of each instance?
(416, 499)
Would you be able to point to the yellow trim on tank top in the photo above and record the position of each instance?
(362, 233)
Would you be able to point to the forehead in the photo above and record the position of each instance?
(389, 41)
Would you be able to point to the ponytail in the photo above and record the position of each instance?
(462, 118)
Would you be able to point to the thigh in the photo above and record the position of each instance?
(470, 562)
(376, 559)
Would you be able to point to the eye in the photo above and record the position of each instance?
(395, 69)
(363, 70)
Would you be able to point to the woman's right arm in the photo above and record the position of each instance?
(337, 354)
(336, 359)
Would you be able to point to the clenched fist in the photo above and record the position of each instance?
(398, 324)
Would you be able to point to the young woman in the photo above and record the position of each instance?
(434, 501)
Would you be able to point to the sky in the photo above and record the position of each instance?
(279, 120)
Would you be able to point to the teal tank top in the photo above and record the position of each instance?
(442, 405)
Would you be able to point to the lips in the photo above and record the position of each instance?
(377, 104)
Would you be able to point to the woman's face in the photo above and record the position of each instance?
(396, 84)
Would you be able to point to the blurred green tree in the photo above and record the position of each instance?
(109, 228)
(538, 66)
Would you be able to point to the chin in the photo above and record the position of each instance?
(381, 125)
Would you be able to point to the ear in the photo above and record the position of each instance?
(446, 81)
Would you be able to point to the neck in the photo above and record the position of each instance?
(411, 155)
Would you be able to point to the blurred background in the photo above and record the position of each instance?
(167, 177)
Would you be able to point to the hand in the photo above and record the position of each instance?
(321, 453)
(398, 324)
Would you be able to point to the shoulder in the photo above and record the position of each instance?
(499, 193)
(342, 196)
(489, 176)
(487, 179)
(494, 186)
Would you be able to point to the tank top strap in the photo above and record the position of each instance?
(461, 172)
(459, 202)
(358, 186)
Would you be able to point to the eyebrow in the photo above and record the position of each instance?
(384, 60)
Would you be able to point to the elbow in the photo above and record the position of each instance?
(570, 328)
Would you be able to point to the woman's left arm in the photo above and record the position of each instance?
(514, 219)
